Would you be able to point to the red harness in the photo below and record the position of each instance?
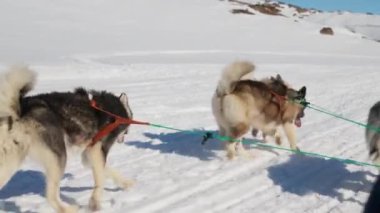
(281, 99)
(107, 129)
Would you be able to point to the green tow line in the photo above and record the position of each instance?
(258, 143)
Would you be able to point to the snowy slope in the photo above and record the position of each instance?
(364, 24)
(168, 56)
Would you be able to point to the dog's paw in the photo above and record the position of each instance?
(125, 184)
(71, 209)
(297, 150)
(94, 205)
(230, 155)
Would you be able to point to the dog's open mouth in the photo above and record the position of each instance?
(298, 122)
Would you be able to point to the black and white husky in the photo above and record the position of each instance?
(44, 126)
(372, 133)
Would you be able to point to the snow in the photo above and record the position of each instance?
(168, 56)
(365, 24)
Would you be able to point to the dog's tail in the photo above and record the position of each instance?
(231, 74)
(373, 135)
(14, 84)
(14, 141)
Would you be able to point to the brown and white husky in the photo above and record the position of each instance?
(239, 105)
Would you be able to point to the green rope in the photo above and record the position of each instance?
(314, 154)
(325, 111)
(258, 143)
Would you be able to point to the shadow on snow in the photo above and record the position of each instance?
(33, 182)
(301, 175)
(182, 143)
(24, 182)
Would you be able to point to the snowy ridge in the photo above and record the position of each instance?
(364, 25)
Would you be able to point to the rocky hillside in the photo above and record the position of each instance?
(365, 25)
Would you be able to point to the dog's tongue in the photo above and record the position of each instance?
(298, 122)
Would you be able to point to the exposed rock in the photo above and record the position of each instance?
(242, 11)
(269, 9)
(327, 31)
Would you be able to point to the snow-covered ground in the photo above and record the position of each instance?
(363, 24)
(168, 55)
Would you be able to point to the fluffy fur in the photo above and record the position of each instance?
(44, 126)
(372, 136)
(373, 204)
(239, 105)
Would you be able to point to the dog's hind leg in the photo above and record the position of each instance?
(231, 149)
(96, 160)
(5, 175)
(9, 167)
(54, 164)
(232, 146)
(222, 131)
(242, 151)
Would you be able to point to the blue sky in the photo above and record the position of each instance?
(364, 6)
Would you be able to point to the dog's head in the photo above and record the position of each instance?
(280, 87)
(124, 101)
(297, 97)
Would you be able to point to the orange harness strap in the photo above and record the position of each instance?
(281, 99)
(107, 129)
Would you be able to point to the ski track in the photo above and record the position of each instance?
(168, 57)
(172, 177)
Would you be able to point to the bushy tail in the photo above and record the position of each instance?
(373, 133)
(231, 74)
(14, 84)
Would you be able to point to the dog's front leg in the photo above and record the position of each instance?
(118, 179)
(231, 149)
(290, 131)
(96, 160)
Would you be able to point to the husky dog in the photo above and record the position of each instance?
(239, 105)
(373, 204)
(277, 85)
(44, 126)
(372, 134)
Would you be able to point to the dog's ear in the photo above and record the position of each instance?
(278, 77)
(302, 92)
(123, 99)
